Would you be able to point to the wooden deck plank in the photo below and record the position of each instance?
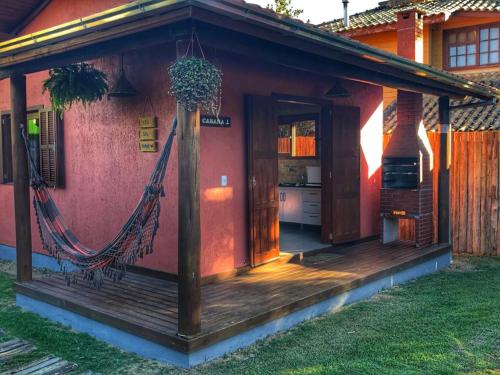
(147, 307)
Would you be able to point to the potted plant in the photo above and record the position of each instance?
(196, 82)
(74, 83)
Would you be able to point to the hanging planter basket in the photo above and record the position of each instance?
(76, 83)
(196, 82)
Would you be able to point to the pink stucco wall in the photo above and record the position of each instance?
(106, 172)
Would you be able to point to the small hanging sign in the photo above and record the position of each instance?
(215, 122)
(148, 146)
(148, 134)
(147, 122)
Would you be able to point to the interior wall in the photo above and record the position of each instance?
(293, 170)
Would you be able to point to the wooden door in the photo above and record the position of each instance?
(326, 173)
(263, 179)
(346, 174)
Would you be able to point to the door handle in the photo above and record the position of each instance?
(254, 182)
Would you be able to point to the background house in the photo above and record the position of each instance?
(461, 37)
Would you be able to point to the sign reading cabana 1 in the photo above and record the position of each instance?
(215, 121)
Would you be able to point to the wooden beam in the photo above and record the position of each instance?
(21, 178)
(189, 290)
(444, 222)
(189, 246)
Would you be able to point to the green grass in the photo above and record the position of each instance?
(446, 323)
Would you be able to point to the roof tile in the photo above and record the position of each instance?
(386, 12)
(467, 119)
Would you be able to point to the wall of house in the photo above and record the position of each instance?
(456, 22)
(61, 11)
(433, 44)
(386, 41)
(106, 173)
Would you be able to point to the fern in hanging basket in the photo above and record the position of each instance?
(75, 83)
(196, 82)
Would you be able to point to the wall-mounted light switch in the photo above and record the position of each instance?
(223, 180)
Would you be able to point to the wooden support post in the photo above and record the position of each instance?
(444, 217)
(21, 178)
(189, 291)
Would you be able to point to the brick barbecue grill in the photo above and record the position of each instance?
(407, 175)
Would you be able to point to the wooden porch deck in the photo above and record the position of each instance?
(147, 307)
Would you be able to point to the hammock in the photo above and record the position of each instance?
(133, 241)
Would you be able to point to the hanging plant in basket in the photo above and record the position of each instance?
(196, 82)
(75, 83)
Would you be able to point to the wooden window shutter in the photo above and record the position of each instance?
(5, 151)
(52, 149)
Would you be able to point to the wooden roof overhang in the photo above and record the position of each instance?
(234, 26)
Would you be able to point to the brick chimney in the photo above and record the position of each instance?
(410, 31)
(407, 173)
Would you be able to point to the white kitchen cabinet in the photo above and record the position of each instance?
(300, 205)
(291, 205)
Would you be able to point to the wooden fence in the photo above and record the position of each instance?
(304, 146)
(475, 192)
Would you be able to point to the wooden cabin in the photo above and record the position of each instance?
(273, 212)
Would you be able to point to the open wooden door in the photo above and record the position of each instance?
(326, 133)
(346, 174)
(263, 179)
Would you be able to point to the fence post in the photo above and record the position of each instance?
(445, 136)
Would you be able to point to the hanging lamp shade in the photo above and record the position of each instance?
(122, 88)
(337, 91)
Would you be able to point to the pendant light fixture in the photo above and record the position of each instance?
(122, 88)
(338, 91)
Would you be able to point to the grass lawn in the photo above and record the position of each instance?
(446, 323)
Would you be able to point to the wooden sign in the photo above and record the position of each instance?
(399, 213)
(148, 146)
(148, 134)
(147, 122)
(215, 122)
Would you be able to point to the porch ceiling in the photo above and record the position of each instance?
(15, 13)
(254, 31)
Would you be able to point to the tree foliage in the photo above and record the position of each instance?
(285, 8)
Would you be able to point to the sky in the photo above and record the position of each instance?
(318, 11)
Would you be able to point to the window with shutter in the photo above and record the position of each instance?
(5, 151)
(51, 161)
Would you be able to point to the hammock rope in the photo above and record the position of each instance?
(134, 241)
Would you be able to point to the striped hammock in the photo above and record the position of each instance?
(133, 241)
